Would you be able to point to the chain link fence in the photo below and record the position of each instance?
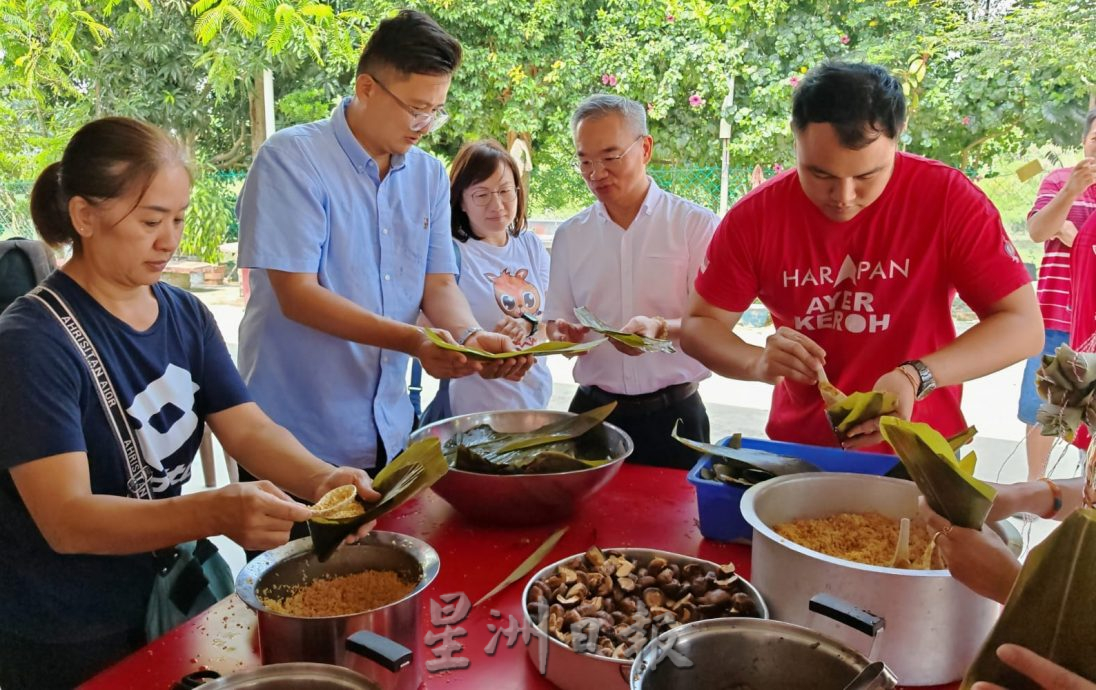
(555, 192)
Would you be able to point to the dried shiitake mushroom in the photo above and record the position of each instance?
(633, 600)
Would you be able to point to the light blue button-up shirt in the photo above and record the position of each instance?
(314, 202)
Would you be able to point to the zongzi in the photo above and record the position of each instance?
(413, 470)
(947, 483)
(1049, 610)
(846, 412)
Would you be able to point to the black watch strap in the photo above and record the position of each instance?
(534, 322)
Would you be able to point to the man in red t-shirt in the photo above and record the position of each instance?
(858, 253)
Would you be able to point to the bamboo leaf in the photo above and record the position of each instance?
(413, 470)
(846, 412)
(750, 459)
(1048, 610)
(962, 438)
(546, 348)
(527, 565)
(640, 342)
(949, 486)
(563, 430)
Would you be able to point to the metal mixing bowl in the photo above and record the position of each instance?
(521, 499)
(572, 670)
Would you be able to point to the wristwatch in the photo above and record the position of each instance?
(534, 323)
(928, 381)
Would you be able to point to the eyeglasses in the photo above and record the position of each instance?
(482, 197)
(420, 121)
(587, 166)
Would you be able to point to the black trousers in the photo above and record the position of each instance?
(649, 420)
(30, 665)
(300, 529)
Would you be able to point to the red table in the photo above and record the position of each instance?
(642, 506)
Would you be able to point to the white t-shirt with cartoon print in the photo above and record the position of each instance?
(499, 281)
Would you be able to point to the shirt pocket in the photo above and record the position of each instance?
(663, 281)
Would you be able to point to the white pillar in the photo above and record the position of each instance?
(725, 140)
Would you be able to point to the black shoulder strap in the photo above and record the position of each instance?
(137, 480)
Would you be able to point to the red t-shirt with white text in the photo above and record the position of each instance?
(874, 291)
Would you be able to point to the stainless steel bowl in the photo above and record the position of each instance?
(523, 499)
(568, 669)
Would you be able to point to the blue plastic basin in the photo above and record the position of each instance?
(718, 503)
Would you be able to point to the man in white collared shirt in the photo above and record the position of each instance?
(631, 259)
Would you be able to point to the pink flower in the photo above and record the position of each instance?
(845, 39)
(793, 80)
(670, 18)
(966, 120)
(777, 168)
(695, 100)
(605, 78)
(612, 80)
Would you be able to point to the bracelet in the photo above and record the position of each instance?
(909, 377)
(1056, 494)
(468, 333)
(663, 331)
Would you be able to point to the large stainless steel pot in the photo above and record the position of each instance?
(522, 499)
(568, 669)
(374, 643)
(296, 676)
(934, 625)
(748, 653)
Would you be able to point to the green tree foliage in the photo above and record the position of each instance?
(984, 77)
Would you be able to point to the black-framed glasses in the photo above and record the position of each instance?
(420, 121)
(588, 166)
(482, 197)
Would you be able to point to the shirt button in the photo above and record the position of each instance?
(387, 277)
(385, 231)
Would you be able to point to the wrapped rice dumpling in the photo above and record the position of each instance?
(845, 412)
(1067, 383)
(334, 518)
(947, 483)
(1050, 608)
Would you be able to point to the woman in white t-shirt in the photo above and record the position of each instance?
(503, 273)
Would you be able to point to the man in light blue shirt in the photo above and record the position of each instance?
(346, 227)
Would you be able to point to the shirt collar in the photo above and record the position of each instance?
(654, 195)
(359, 157)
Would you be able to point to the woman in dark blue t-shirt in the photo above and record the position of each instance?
(75, 543)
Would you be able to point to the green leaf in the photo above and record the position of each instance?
(776, 465)
(546, 348)
(527, 565)
(948, 486)
(1047, 610)
(640, 342)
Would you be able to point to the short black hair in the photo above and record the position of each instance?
(1089, 119)
(410, 43)
(859, 99)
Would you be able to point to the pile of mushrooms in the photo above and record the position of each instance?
(630, 601)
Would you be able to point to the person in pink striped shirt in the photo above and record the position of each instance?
(1066, 199)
